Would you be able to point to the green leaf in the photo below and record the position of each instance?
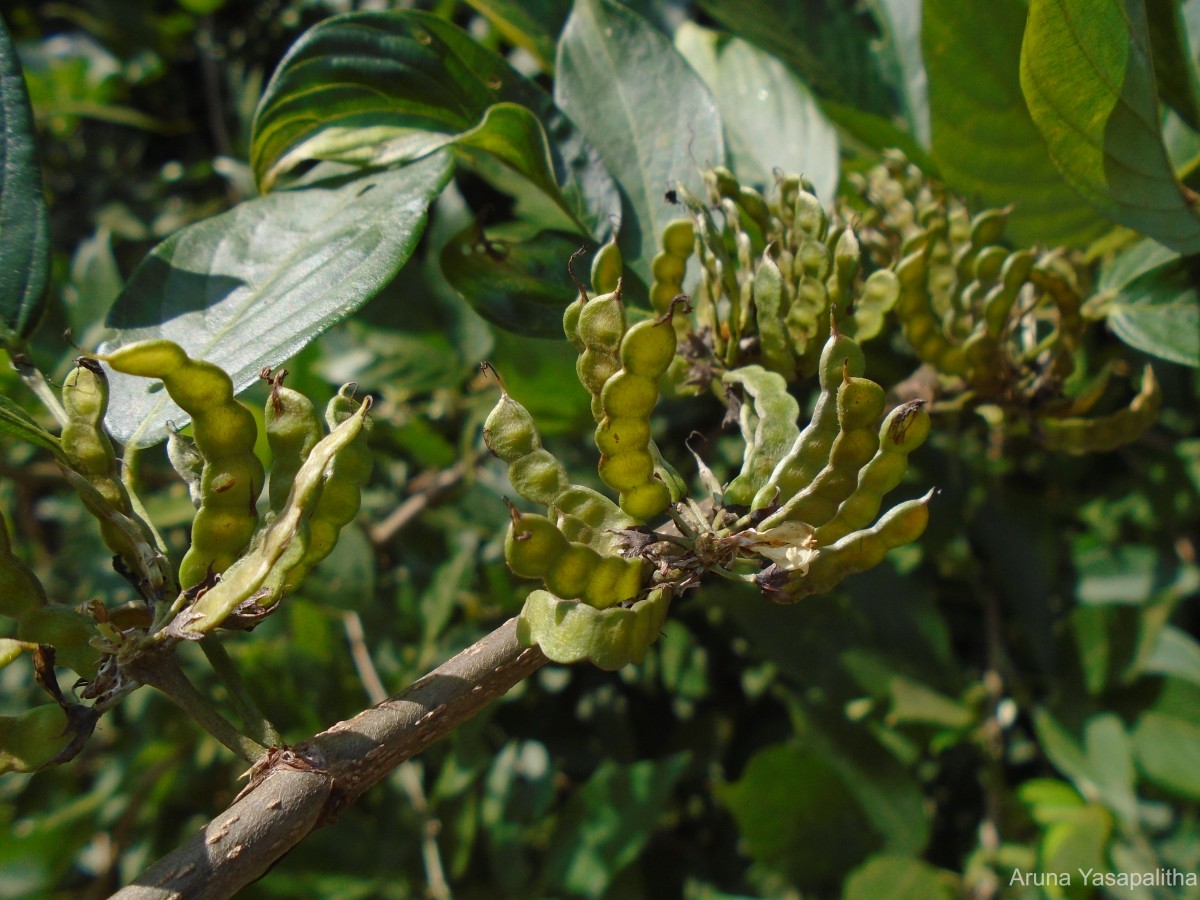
(24, 225)
(826, 42)
(1168, 752)
(377, 88)
(18, 423)
(608, 821)
(251, 287)
(520, 285)
(771, 119)
(1174, 652)
(899, 878)
(646, 111)
(877, 134)
(1089, 83)
(796, 814)
(1159, 313)
(984, 140)
(532, 25)
(1174, 68)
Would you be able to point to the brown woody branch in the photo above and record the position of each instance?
(294, 791)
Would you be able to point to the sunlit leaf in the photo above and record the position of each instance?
(249, 288)
(378, 88)
(18, 423)
(771, 119)
(900, 878)
(643, 108)
(984, 140)
(1089, 82)
(530, 24)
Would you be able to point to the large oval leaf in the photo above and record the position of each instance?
(644, 109)
(377, 88)
(1155, 305)
(1089, 83)
(253, 286)
(24, 228)
(984, 140)
(771, 120)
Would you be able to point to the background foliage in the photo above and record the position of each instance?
(1019, 691)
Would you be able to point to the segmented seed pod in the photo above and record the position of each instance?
(1102, 434)
(225, 432)
(768, 422)
(569, 631)
(293, 429)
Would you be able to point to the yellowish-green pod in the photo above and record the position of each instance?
(348, 473)
(20, 590)
(606, 268)
(293, 429)
(569, 631)
(225, 433)
(768, 423)
(903, 431)
(1104, 433)
(856, 552)
(601, 325)
(510, 434)
(840, 357)
(282, 554)
(32, 739)
(859, 404)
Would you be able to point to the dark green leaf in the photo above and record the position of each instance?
(24, 226)
(825, 41)
(608, 821)
(1159, 313)
(18, 423)
(520, 285)
(899, 878)
(878, 133)
(646, 111)
(984, 140)
(771, 120)
(378, 88)
(1174, 65)
(250, 287)
(796, 814)
(1087, 77)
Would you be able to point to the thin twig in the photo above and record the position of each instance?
(407, 773)
(384, 531)
(253, 719)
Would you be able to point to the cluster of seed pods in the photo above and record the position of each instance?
(1002, 326)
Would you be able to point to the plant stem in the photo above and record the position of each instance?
(161, 670)
(257, 725)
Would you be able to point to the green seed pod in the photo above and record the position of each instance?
(679, 238)
(533, 545)
(768, 423)
(348, 473)
(1105, 433)
(859, 404)
(20, 590)
(225, 433)
(293, 429)
(647, 500)
(627, 469)
(588, 516)
(568, 577)
(568, 631)
(32, 739)
(769, 308)
(903, 431)
(648, 348)
(538, 476)
(854, 553)
(282, 554)
(600, 329)
(621, 434)
(615, 580)
(810, 452)
(627, 395)
(606, 268)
